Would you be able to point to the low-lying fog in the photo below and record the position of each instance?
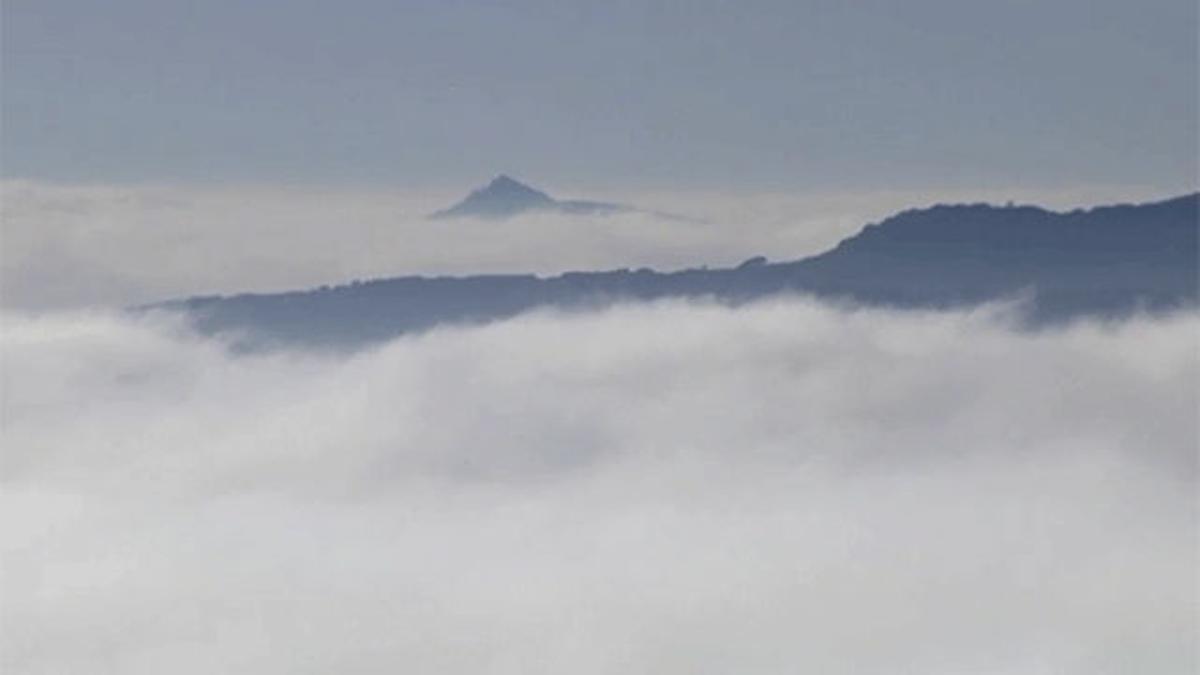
(73, 246)
(668, 488)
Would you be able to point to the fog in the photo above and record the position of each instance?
(667, 488)
(72, 246)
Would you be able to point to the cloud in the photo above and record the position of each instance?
(666, 488)
(71, 246)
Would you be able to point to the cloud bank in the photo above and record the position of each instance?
(72, 246)
(667, 488)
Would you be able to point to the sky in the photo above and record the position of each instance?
(704, 95)
(151, 150)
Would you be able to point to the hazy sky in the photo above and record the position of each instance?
(765, 95)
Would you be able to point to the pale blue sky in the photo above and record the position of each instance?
(701, 94)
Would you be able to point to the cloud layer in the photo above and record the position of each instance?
(71, 246)
(668, 488)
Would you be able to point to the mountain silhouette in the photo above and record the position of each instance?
(505, 197)
(1103, 262)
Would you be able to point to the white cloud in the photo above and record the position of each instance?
(68, 246)
(670, 488)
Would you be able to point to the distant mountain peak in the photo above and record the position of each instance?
(505, 197)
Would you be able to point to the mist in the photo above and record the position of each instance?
(70, 246)
(664, 488)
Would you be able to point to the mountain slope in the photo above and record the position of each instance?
(1101, 262)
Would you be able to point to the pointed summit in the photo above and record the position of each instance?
(501, 198)
(505, 197)
(505, 183)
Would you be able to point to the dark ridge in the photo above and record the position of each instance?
(1101, 262)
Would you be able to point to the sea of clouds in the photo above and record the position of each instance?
(665, 488)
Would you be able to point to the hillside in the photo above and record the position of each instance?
(1101, 262)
